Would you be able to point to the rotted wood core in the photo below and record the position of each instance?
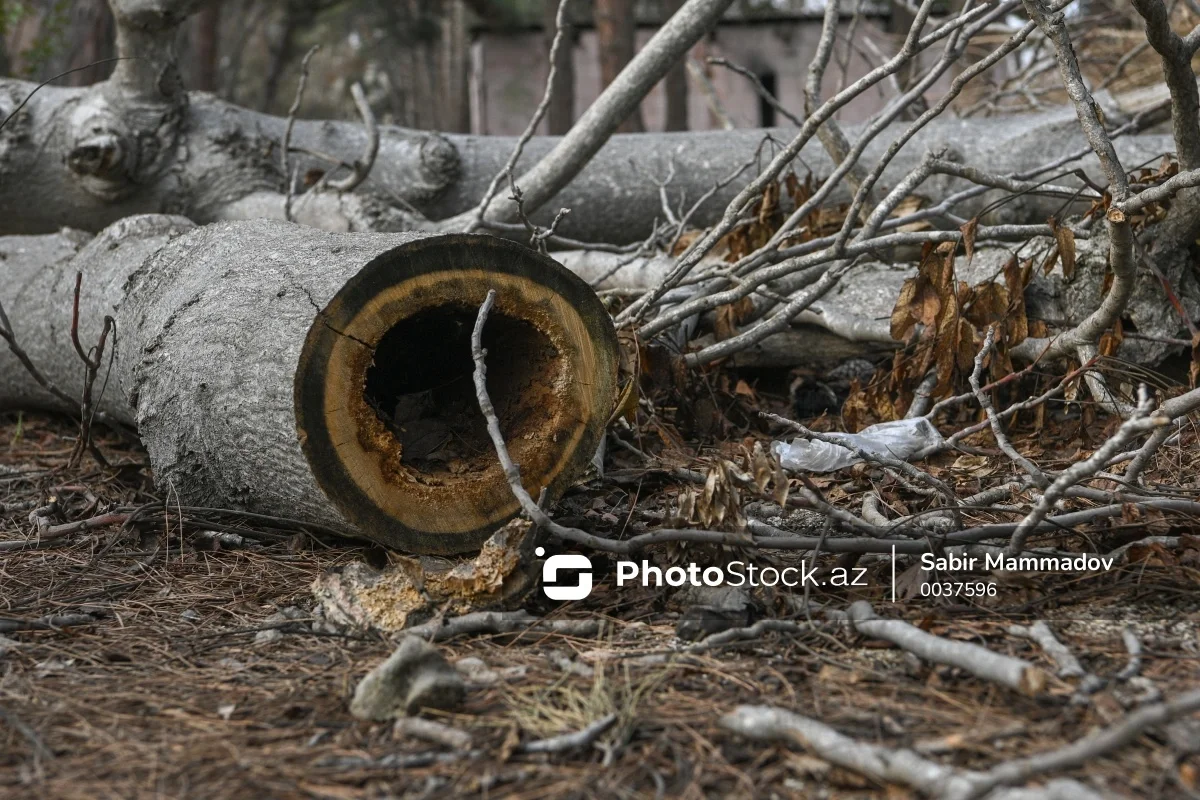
(385, 404)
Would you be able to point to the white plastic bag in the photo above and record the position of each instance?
(900, 440)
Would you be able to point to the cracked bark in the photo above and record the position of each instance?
(261, 362)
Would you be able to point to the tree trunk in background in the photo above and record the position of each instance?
(249, 14)
(51, 36)
(456, 108)
(561, 113)
(675, 85)
(281, 54)
(207, 33)
(426, 54)
(96, 44)
(616, 27)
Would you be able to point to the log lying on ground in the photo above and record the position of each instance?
(37, 287)
(852, 319)
(327, 377)
(87, 157)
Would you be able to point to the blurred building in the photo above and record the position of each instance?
(775, 39)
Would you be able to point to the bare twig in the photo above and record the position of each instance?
(1176, 54)
(432, 731)
(830, 133)
(753, 633)
(757, 83)
(501, 622)
(882, 764)
(362, 166)
(709, 92)
(1133, 646)
(1053, 25)
(1039, 478)
(615, 103)
(285, 146)
(1089, 748)
(1040, 633)
(49, 81)
(48, 623)
(92, 361)
(1014, 673)
(9, 336)
(68, 528)
(537, 235)
(571, 741)
(1143, 420)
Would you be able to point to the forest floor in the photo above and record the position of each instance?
(169, 689)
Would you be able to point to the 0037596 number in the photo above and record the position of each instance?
(958, 588)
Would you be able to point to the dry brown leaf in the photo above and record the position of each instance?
(725, 323)
(910, 205)
(968, 234)
(1065, 237)
(630, 368)
(902, 317)
(1194, 367)
(975, 466)
(1015, 280)
(1111, 340)
(1189, 775)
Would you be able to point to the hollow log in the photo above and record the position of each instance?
(326, 377)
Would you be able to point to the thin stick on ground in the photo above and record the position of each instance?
(1040, 633)
(883, 764)
(570, 741)
(513, 473)
(501, 622)
(1133, 646)
(1091, 747)
(48, 623)
(1143, 420)
(562, 743)
(432, 731)
(1015, 673)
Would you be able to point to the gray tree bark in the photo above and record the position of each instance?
(88, 157)
(259, 363)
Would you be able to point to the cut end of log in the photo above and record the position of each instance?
(385, 404)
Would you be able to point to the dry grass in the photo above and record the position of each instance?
(167, 694)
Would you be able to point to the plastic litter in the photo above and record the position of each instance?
(900, 440)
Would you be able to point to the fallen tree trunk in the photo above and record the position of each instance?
(86, 157)
(294, 372)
